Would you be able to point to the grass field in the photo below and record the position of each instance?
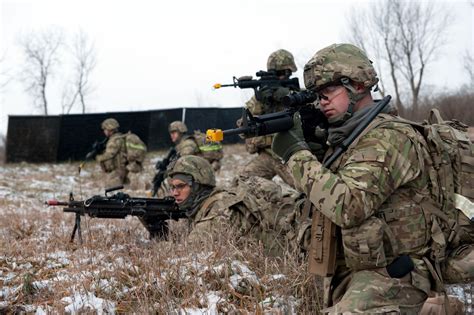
(118, 270)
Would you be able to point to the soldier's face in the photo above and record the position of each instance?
(107, 132)
(179, 190)
(334, 100)
(174, 135)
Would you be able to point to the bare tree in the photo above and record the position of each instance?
(41, 52)
(469, 67)
(5, 76)
(405, 36)
(84, 62)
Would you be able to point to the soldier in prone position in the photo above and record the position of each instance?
(376, 192)
(212, 210)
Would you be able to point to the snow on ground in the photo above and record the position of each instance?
(118, 269)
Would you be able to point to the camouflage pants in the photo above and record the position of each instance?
(266, 166)
(459, 266)
(375, 292)
(117, 177)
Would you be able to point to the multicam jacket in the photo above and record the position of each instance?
(115, 154)
(187, 146)
(257, 208)
(381, 180)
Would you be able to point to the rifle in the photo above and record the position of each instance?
(97, 148)
(118, 206)
(161, 167)
(312, 119)
(267, 80)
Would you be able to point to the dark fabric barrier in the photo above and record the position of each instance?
(70, 137)
(78, 132)
(208, 118)
(32, 138)
(158, 137)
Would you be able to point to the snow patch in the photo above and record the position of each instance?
(84, 302)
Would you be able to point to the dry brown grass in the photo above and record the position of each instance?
(39, 268)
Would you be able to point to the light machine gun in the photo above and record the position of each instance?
(119, 206)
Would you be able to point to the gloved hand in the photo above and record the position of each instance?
(271, 95)
(317, 149)
(286, 143)
(265, 95)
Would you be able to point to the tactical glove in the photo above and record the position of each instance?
(286, 143)
(318, 150)
(271, 95)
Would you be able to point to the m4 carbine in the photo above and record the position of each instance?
(97, 148)
(119, 206)
(161, 167)
(312, 118)
(267, 80)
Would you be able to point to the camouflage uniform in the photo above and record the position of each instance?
(266, 164)
(184, 146)
(187, 146)
(113, 160)
(257, 208)
(376, 192)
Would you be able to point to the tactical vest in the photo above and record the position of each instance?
(425, 223)
(187, 146)
(210, 151)
(402, 223)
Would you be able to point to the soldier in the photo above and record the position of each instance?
(190, 145)
(266, 164)
(185, 144)
(212, 210)
(377, 192)
(113, 160)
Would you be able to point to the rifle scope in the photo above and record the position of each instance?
(299, 99)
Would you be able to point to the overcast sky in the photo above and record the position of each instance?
(164, 54)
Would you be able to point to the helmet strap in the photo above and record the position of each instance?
(354, 97)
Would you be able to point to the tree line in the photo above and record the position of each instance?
(405, 38)
(46, 54)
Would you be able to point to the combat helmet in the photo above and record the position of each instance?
(281, 60)
(197, 167)
(338, 61)
(110, 124)
(341, 64)
(178, 126)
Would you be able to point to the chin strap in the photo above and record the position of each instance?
(354, 97)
